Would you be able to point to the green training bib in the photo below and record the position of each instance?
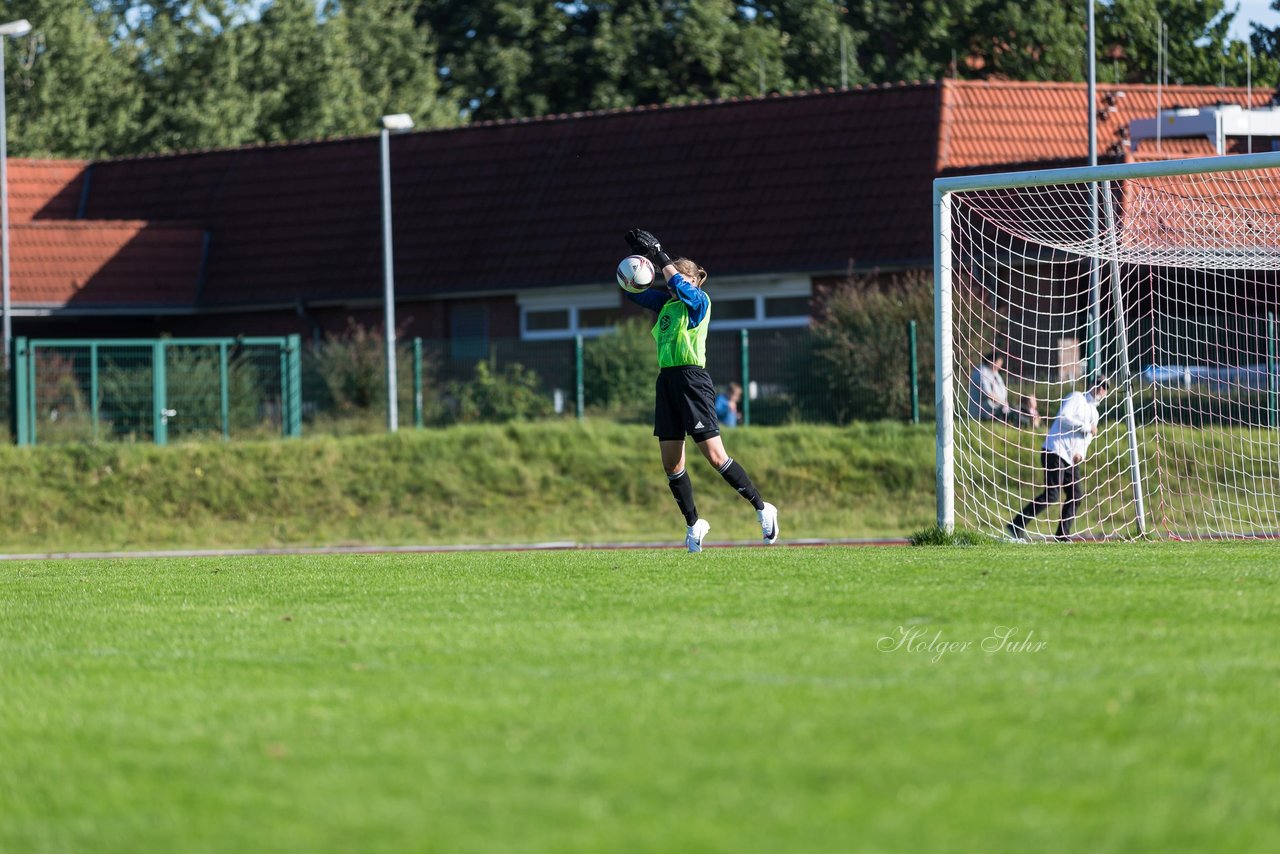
(677, 343)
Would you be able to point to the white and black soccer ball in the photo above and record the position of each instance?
(635, 273)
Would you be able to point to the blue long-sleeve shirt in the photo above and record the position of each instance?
(695, 299)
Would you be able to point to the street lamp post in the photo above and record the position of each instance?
(397, 122)
(13, 29)
(1095, 286)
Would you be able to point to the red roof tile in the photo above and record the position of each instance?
(1006, 123)
(44, 189)
(93, 264)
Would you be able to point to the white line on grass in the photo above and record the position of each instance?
(375, 549)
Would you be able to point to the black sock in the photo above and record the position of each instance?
(737, 477)
(682, 489)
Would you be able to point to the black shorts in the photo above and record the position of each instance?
(1060, 476)
(686, 403)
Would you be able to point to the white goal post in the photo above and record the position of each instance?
(1161, 278)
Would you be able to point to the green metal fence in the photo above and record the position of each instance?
(168, 389)
(154, 389)
(775, 367)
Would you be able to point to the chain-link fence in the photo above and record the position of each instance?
(154, 390)
(786, 375)
(157, 390)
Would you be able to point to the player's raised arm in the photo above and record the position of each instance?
(644, 243)
(652, 299)
(679, 284)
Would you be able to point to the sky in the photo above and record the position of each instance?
(1251, 11)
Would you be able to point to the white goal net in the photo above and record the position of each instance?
(1158, 278)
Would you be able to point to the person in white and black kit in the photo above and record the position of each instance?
(1065, 448)
(686, 396)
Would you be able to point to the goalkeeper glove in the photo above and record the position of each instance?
(644, 243)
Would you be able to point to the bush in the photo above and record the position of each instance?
(512, 394)
(856, 363)
(351, 369)
(618, 369)
(352, 365)
(62, 407)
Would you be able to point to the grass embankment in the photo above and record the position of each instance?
(737, 700)
(489, 484)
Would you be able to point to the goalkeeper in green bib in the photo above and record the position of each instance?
(686, 397)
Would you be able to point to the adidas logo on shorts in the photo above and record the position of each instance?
(698, 426)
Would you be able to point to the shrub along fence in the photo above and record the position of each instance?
(788, 376)
(866, 356)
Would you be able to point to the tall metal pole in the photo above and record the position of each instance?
(943, 379)
(1273, 379)
(913, 371)
(1093, 93)
(1125, 379)
(4, 212)
(1159, 80)
(1095, 289)
(388, 285)
(12, 29)
(579, 379)
(1248, 78)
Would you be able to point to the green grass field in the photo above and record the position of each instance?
(742, 699)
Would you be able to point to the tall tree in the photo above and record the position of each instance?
(819, 48)
(523, 57)
(1031, 40)
(71, 87)
(1200, 47)
(498, 57)
(1045, 40)
(237, 72)
(102, 77)
(911, 39)
(193, 64)
(1265, 42)
(392, 63)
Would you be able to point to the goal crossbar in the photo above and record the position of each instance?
(1106, 172)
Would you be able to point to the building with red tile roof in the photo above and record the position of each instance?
(513, 228)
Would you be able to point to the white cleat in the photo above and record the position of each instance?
(769, 523)
(697, 531)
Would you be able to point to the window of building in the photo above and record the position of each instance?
(775, 307)
(565, 313)
(734, 309)
(548, 320)
(760, 303)
(754, 303)
(599, 318)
